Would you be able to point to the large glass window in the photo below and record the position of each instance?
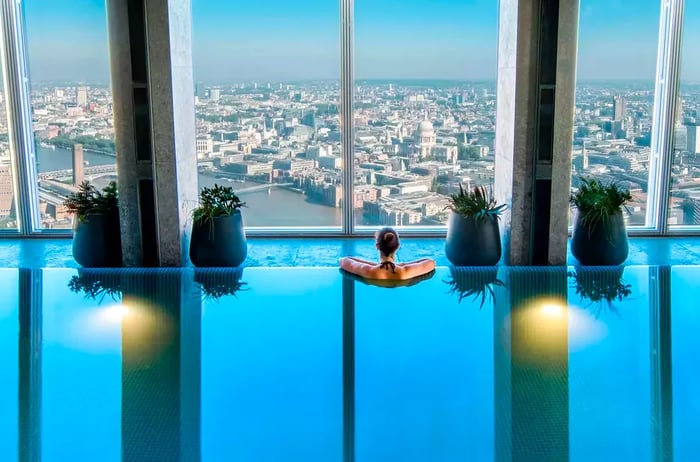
(71, 100)
(267, 107)
(684, 206)
(8, 220)
(617, 54)
(425, 106)
(268, 99)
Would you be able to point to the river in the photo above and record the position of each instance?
(278, 207)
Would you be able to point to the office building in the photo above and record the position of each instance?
(619, 109)
(81, 96)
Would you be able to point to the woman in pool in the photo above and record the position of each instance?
(387, 242)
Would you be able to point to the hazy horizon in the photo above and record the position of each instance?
(442, 40)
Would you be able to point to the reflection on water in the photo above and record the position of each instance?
(219, 282)
(96, 284)
(184, 364)
(600, 286)
(475, 282)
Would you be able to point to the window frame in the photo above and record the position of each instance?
(20, 131)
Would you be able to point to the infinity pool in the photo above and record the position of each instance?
(307, 364)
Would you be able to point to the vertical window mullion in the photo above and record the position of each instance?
(675, 32)
(667, 85)
(20, 130)
(346, 113)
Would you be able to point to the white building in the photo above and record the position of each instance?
(205, 147)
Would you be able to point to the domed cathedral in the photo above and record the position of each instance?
(425, 138)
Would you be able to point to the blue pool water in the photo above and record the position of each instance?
(306, 364)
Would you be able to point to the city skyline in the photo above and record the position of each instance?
(615, 41)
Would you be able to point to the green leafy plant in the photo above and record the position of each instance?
(478, 203)
(88, 200)
(477, 283)
(219, 201)
(598, 202)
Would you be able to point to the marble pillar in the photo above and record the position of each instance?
(153, 91)
(535, 224)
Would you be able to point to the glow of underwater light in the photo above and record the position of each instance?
(552, 326)
(552, 310)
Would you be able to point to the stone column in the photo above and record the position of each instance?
(535, 109)
(153, 91)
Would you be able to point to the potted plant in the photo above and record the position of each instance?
(599, 236)
(96, 233)
(218, 234)
(477, 283)
(473, 236)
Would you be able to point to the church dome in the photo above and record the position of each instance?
(426, 128)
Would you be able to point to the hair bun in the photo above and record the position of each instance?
(389, 237)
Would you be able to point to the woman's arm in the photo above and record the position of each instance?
(416, 268)
(361, 260)
(374, 271)
(359, 267)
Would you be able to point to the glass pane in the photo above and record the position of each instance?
(615, 97)
(684, 207)
(425, 106)
(71, 100)
(267, 96)
(8, 219)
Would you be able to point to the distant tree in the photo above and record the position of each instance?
(468, 152)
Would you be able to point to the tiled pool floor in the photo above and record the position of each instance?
(305, 364)
(55, 253)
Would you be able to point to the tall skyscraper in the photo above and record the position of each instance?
(200, 91)
(619, 108)
(214, 94)
(78, 175)
(6, 192)
(693, 139)
(81, 96)
(679, 111)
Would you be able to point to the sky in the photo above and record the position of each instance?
(235, 40)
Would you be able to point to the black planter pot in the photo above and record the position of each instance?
(472, 242)
(604, 245)
(219, 242)
(97, 241)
